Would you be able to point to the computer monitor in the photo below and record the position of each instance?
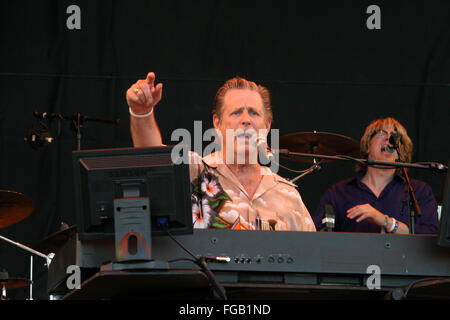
(444, 229)
(127, 194)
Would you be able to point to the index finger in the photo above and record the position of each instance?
(150, 79)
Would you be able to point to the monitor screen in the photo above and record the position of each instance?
(110, 179)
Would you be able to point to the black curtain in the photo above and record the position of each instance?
(325, 69)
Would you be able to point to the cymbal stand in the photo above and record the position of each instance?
(314, 167)
(48, 258)
(31, 277)
(3, 275)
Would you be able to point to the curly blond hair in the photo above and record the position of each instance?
(405, 143)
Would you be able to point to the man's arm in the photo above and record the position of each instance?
(142, 97)
(145, 132)
(369, 213)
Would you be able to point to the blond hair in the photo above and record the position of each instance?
(405, 143)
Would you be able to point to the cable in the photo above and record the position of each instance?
(180, 259)
(412, 284)
(217, 287)
(177, 242)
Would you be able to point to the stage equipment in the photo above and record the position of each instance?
(328, 219)
(444, 229)
(131, 194)
(432, 166)
(15, 207)
(53, 241)
(414, 207)
(11, 283)
(300, 264)
(317, 143)
(40, 135)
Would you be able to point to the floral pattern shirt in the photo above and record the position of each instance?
(220, 201)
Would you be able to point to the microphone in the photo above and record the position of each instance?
(328, 218)
(393, 142)
(265, 156)
(38, 138)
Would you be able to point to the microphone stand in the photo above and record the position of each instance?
(413, 204)
(438, 167)
(77, 121)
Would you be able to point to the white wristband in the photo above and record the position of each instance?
(393, 225)
(145, 115)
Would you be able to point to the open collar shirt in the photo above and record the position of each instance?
(220, 201)
(392, 201)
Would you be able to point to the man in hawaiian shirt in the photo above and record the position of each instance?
(229, 190)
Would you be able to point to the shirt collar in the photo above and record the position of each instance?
(397, 177)
(268, 181)
(213, 159)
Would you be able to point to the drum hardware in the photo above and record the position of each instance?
(320, 143)
(315, 167)
(52, 242)
(11, 283)
(15, 207)
(315, 142)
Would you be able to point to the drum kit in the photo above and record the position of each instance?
(14, 206)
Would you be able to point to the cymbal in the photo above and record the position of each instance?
(324, 143)
(55, 240)
(14, 283)
(14, 207)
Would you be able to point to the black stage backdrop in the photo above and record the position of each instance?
(326, 70)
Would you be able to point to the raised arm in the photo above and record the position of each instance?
(142, 97)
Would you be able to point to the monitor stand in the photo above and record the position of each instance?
(133, 239)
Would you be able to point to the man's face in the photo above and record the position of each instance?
(242, 113)
(377, 148)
